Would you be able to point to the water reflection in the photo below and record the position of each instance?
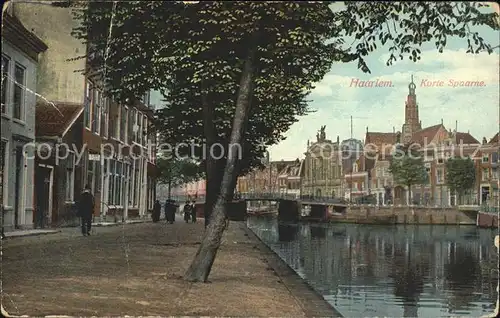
(287, 232)
(396, 271)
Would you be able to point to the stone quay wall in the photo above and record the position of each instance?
(407, 215)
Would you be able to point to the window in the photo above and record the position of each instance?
(131, 122)
(70, 177)
(494, 173)
(90, 174)
(123, 124)
(111, 197)
(136, 128)
(118, 184)
(104, 117)
(135, 201)
(139, 128)
(144, 130)
(96, 112)
(87, 102)
(494, 157)
(19, 92)
(485, 175)
(485, 158)
(440, 160)
(440, 176)
(5, 82)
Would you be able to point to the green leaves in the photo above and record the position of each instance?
(460, 174)
(408, 168)
(405, 26)
(177, 171)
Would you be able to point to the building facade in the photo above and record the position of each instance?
(289, 180)
(20, 57)
(116, 155)
(322, 174)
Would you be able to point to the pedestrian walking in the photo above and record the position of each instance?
(193, 211)
(86, 210)
(166, 208)
(156, 211)
(187, 211)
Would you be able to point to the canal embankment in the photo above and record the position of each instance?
(404, 215)
(137, 270)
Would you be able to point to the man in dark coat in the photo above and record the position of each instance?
(156, 211)
(193, 211)
(86, 210)
(187, 211)
(167, 209)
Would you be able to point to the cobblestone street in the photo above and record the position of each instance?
(136, 269)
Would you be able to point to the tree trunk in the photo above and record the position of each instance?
(212, 171)
(409, 195)
(215, 172)
(169, 189)
(201, 266)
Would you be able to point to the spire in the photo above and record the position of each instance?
(412, 86)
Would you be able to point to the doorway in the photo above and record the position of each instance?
(43, 188)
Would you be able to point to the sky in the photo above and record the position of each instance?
(336, 98)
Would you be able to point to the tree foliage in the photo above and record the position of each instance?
(407, 168)
(175, 172)
(241, 71)
(460, 175)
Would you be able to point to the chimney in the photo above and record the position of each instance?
(456, 125)
(366, 129)
(484, 141)
(338, 140)
(441, 121)
(468, 131)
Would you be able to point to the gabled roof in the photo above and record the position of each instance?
(494, 140)
(379, 139)
(426, 135)
(465, 138)
(55, 120)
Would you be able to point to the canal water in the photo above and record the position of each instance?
(391, 271)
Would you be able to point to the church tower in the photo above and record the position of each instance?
(412, 122)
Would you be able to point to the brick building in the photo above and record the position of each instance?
(289, 179)
(263, 180)
(122, 180)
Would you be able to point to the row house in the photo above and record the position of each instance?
(108, 145)
(379, 147)
(261, 180)
(119, 154)
(193, 189)
(289, 180)
(487, 173)
(58, 112)
(322, 171)
(438, 144)
(20, 57)
(358, 178)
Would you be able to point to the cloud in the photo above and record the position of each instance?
(383, 108)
